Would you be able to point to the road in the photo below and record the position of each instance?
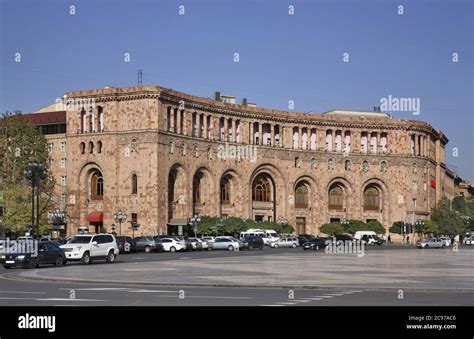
(19, 289)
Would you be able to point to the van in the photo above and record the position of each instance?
(368, 237)
(268, 236)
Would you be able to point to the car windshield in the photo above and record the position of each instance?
(80, 240)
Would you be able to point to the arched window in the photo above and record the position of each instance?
(97, 186)
(134, 184)
(225, 191)
(261, 189)
(99, 147)
(336, 198)
(371, 199)
(347, 165)
(301, 196)
(365, 166)
(413, 168)
(330, 164)
(91, 147)
(82, 147)
(383, 166)
(197, 188)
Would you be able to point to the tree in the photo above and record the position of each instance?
(449, 221)
(332, 229)
(356, 225)
(429, 227)
(397, 227)
(279, 228)
(375, 226)
(20, 144)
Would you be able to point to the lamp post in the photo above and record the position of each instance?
(113, 229)
(34, 172)
(195, 221)
(120, 217)
(58, 217)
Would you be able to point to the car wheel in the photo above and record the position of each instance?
(172, 249)
(275, 246)
(294, 245)
(110, 257)
(59, 261)
(231, 248)
(86, 258)
(33, 263)
(250, 247)
(147, 249)
(7, 267)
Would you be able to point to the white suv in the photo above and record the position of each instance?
(88, 247)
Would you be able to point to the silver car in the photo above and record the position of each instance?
(430, 243)
(285, 242)
(230, 244)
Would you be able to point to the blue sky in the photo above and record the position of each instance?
(282, 57)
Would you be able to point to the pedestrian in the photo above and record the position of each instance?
(389, 239)
(408, 240)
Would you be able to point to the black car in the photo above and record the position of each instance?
(158, 244)
(316, 244)
(344, 237)
(250, 242)
(304, 238)
(47, 252)
(126, 244)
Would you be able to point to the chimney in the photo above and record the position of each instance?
(244, 101)
(217, 96)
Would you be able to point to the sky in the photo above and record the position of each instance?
(281, 57)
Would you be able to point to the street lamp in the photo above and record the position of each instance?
(34, 172)
(120, 217)
(195, 221)
(113, 229)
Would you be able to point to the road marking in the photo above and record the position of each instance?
(316, 298)
(16, 298)
(272, 305)
(302, 301)
(334, 294)
(19, 292)
(285, 303)
(322, 296)
(151, 291)
(97, 289)
(68, 299)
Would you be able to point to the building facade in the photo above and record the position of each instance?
(162, 156)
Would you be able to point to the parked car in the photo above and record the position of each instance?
(446, 241)
(172, 245)
(126, 244)
(87, 247)
(304, 238)
(469, 240)
(48, 253)
(145, 243)
(430, 243)
(344, 237)
(197, 244)
(285, 242)
(204, 244)
(250, 242)
(158, 244)
(209, 240)
(316, 244)
(226, 243)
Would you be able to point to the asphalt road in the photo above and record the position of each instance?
(18, 291)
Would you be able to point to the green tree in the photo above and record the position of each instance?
(429, 227)
(375, 226)
(396, 228)
(449, 221)
(20, 144)
(332, 229)
(279, 228)
(356, 225)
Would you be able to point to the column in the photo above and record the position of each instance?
(251, 137)
(225, 129)
(415, 137)
(300, 138)
(171, 120)
(234, 139)
(178, 123)
(272, 135)
(282, 139)
(260, 133)
(378, 142)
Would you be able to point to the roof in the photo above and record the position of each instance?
(353, 113)
(47, 118)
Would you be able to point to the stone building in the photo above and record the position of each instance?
(163, 156)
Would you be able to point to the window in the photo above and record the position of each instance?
(425, 186)
(225, 191)
(262, 189)
(97, 186)
(83, 121)
(414, 185)
(91, 120)
(347, 165)
(363, 142)
(371, 199)
(383, 166)
(63, 198)
(63, 163)
(336, 198)
(168, 119)
(134, 218)
(134, 184)
(301, 196)
(99, 147)
(330, 164)
(51, 163)
(365, 166)
(63, 146)
(50, 147)
(82, 147)
(91, 147)
(63, 180)
(101, 118)
(413, 168)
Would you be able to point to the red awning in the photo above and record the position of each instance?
(95, 217)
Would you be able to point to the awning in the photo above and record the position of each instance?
(95, 217)
(178, 222)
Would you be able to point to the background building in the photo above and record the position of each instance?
(162, 156)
